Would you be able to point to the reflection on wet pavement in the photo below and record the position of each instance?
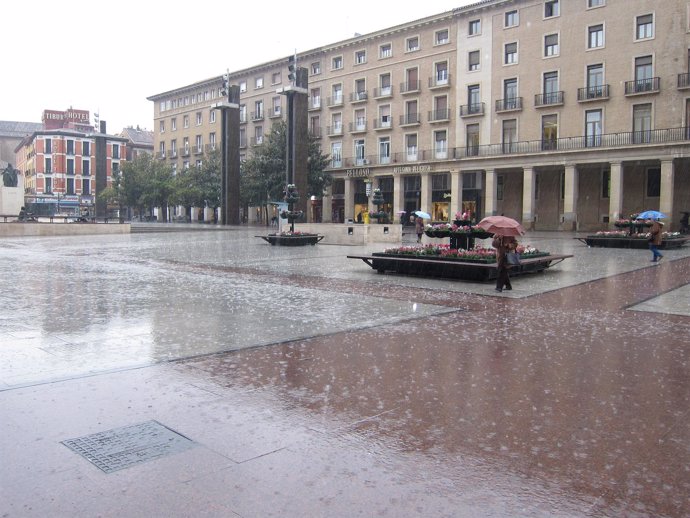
(373, 394)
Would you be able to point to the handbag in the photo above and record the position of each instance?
(513, 258)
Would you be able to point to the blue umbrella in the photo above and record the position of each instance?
(422, 214)
(651, 214)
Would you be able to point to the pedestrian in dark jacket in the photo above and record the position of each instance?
(503, 245)
(655, 238)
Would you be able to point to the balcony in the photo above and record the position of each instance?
(472, 110)
(643, 86)
(411, 87)
(439, 115)
(277, 112)
(439, 81)
(185, 152)
(160, 155)
(335, 101)
(358, 97)
(683, 81)
(384, 123)
(173, 154)
(358, 127)
(593, 93)
(383, 92)
(409, 119)
(334, 131)
(257, 116)
(256, 141)
(198, 150)
(660, 137)
(511, 104)
(315, 132)
(314, 103)
(548, 99)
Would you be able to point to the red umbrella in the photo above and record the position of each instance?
(501, 225)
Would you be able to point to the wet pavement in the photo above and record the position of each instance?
(211, 374)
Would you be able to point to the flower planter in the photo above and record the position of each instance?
(292, 240)
(632, 242)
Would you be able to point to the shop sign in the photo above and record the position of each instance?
(360, 171)
(410, 169)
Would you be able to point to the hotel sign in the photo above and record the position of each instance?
(407, 169)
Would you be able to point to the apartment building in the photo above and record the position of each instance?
(565, 114)
(60, 162)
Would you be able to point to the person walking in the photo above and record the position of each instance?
(419, 228)
(655, 238)
(503, 245)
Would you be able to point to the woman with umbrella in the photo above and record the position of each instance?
(504, 230)
(655, 231)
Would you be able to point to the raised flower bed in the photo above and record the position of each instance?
(478, 264)
(638, 240)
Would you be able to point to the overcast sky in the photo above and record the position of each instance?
(108, 57)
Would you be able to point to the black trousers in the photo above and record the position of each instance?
(503, 277)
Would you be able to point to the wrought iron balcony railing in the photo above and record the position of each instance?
(683, 81)
(470, 110)
(409, 119)
(510, 104)
(439, 115)
(410, 87)
(548, 99)
(593, 93)
(642, 86)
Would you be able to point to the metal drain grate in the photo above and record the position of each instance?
(124, 447)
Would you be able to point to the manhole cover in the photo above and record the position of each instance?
(123, 447)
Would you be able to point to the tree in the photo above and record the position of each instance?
(142, 183)
(263, 173)
(199, 186)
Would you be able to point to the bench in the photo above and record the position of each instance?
(463, 270)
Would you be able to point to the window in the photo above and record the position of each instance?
(385, 82)
(48, 145)
(472, 139)
(315, 97)
(653, 182)
(49, 166)
(384, 150)
(411, 79)
(642, 123)
(551, 45)
(336, 154)
(337, 63)
(161, 149)
(173, 148)
(441, 37)
(510, 53)
(442, 73)
(49, 185)
(595, 38)
(473, 60)
(550, 88)
(595, 80)
(440, 111)
(70, 147)
(645, 27)
(509, 135)
(86, 148)
(259, 135)
(258, 82)
(86, 187)
(199, 119)
(360, 120)
(337, 94)
(199, 144)
(595, 3)
(386, 50)
(412, 44)
(258, 110)
(275, 78)
(243, 87)
(360, 152)
(500, 184)
(385, 115)
(593, 128)
(70, 166)
(360, 57)
(643, 73)
(185, 121)
(275, 105)
(185, 143)
(510, 94)
(173, 124)
(512, 19)
(243, 113)
(551, 8)
(549, 132)
(212, 116)
(315, 68)
(161, 127)
(337, 123)
(70, 186)
(85, 167)
(440, 144)
(475, 27)
(473, 99)
(360, 89)
(116, 151)
(411, 147)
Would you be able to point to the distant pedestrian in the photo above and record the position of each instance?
(655, 238)
(503, 245)
(419, 228)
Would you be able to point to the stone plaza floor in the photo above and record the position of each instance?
(209, 374)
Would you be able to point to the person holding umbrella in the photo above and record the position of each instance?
(504, 230)
(655, 238)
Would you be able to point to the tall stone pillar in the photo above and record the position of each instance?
(570, 198)
(349, 198)
(327, 206)
(398, 195)
(425, 192)
(616, 194)
(230, 155)
(490, 193)
(455, 193)
(528, 198)
(666, 195)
